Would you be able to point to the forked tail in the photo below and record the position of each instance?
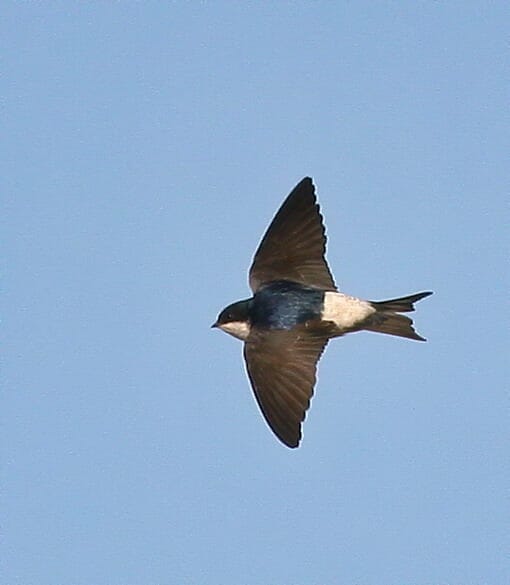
(387, 319)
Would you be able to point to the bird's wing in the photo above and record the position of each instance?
(294, 245)
(282, 367)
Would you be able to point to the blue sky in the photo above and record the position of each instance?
(146, 148)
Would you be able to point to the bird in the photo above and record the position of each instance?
(294, 311)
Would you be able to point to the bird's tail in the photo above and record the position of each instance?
(387, 320)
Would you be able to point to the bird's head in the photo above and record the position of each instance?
(235, 319)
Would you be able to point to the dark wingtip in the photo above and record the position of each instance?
(305, 181)
(289, 440)
(291, 444)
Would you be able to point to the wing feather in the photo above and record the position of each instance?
(294, 244)
(282, 367)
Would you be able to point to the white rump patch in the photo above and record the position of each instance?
(345, 311)
(239, 329)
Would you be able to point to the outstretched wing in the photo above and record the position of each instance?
(282, 367)
(294, 245)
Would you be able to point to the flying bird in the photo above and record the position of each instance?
(296, 309)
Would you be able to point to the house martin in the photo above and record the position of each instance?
(296, 309)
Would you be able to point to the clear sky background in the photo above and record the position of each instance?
(146, 146)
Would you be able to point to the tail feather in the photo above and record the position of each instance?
(387, 320)
(401, 305)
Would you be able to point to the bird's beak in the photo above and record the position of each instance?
(215, 324)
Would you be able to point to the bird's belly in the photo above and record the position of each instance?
(344, 311)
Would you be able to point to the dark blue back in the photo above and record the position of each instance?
(284, 304)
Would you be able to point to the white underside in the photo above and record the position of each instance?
(239, 329)
(344, 311)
